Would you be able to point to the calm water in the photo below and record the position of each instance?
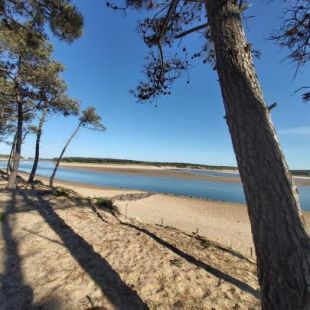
(197, 188)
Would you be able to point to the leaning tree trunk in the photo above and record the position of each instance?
(280, 236)
(61, 155)
(18, 146)
(37, 152)
(9, 166)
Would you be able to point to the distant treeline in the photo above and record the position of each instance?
(6, 156)
(305, 173)
(95, 160)
(138, 162)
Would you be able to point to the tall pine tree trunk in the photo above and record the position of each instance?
(62, 154)
(18, 147)
(280, 236)
(37, 151)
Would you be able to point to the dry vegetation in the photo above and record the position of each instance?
(60, 251)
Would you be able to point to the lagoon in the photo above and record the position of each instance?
(231, 192)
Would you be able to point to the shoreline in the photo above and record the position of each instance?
(76, 185)
(174, 172)
(167, 171)
(85, 250)
(224, 222)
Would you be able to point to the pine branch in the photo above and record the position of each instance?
(189, 31)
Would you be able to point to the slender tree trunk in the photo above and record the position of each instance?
(62, 153)
(9, 166)
(19, 138)
(280, 235)
(37, 151)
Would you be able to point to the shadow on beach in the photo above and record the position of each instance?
(117, 292)
(113, 288)
(15, 294)
(192, 260)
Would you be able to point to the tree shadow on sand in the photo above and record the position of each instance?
(192, 260)
(15, 294)
(215, 272)
(113, 288)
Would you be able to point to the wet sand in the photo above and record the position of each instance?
(173, 172)
(149, 171)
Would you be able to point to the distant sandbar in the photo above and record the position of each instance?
(172, 172)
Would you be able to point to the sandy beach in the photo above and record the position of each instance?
(63, 252)
(223, 222)
(150, 159)
(160, 252)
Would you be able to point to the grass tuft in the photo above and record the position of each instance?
(105, 203)
(38, 182)
(61, 191)
(2, 217)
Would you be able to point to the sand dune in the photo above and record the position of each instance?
(61, 252)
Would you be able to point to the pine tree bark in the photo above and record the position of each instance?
(19, 141)
(37, 151)
(280, 235)
(51, 183)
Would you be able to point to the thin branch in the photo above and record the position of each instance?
(185, 33)
(170, 12)
(161, 54)
(272, 106)
(301, 88)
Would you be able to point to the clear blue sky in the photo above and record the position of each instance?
(187, 126)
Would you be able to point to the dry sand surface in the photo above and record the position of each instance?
(62, 252)
(223, 222)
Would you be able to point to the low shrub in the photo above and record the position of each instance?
(105, 203)
(2, 217)
(61, 191)
(38, 182)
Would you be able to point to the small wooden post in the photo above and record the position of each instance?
(162, 221)
(126, 210)
(197, 232)
(251, 252)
